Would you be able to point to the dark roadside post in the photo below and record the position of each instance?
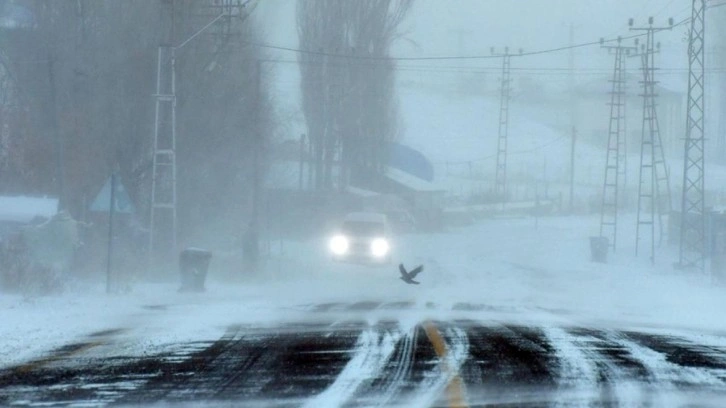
(572, 170)
(302, 161)
(111, 210)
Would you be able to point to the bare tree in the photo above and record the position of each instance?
(720, 61)
(348, 84)
(87, 70)
(12, 114)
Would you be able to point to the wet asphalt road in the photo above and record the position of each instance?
(339, 361)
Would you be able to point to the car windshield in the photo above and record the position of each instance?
(362, 228)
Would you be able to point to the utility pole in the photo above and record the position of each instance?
(692, 251)
(110, 281)
(60, 160)
(572, 169)
(163, 214)
(653, 186)
(302, 162)
(163, 184)
(254, 235)
(573, 118)
(571, 78)
(500, 181)
(615, 157)
(623, 147)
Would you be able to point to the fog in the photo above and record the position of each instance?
(250, 193)
(281, 126)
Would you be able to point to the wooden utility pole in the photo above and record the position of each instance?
(572, 170)
(58, 135)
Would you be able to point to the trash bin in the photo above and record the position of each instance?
(193, 265)
(599, 249)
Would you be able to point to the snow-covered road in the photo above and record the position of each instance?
(505, 314)
(351, 362)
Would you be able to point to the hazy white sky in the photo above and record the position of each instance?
(446, 27)
(531, 24)
(472, 27)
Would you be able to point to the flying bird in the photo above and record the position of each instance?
(408, 277)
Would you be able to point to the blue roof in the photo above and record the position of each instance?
(411, 161)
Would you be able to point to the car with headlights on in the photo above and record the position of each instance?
(363, 237)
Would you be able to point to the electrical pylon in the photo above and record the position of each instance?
(163, 184)
(692, 250)
(654, 198)
(163, 214)
(615, 155)
(500, 183)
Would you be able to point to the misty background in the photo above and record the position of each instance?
(287, 112)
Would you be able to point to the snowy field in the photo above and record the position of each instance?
(518, 271)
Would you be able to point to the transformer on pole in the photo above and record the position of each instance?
(654, 198)
(692, 250)
(616, 155)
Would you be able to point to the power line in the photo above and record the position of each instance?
(664, 8)
(492, 156)
(458, 69)
(447, 57)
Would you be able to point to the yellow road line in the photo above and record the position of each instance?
(455, 390)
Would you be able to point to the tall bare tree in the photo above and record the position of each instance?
(348, 84)
(86, 70)
(12, 114)
(719, 26)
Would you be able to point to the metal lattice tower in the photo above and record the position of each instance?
(693, 241)
(654, 197)
(500, 184)
(163, 217)
(615, 156)
(163, 185)
(623, 145)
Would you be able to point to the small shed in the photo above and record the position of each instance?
(16, 211)
(426, 200)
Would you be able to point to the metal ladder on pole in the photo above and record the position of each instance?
(163, 214)
(162, 231)
(646, 184)
(662, 183)
(609, 207)
(654, 195)
(623, 142)
(692, 251)
(500, 186)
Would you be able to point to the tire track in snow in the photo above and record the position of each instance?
(620, 376)
(372, 351)
(665, 376)
(403, 368)
(686, 351)
(631, 371)
(577, 374)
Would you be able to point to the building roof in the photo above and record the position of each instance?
(410, 181)
(366, 217)
(24, 209)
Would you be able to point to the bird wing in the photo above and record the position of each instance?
(416, 271)
(402, 269)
